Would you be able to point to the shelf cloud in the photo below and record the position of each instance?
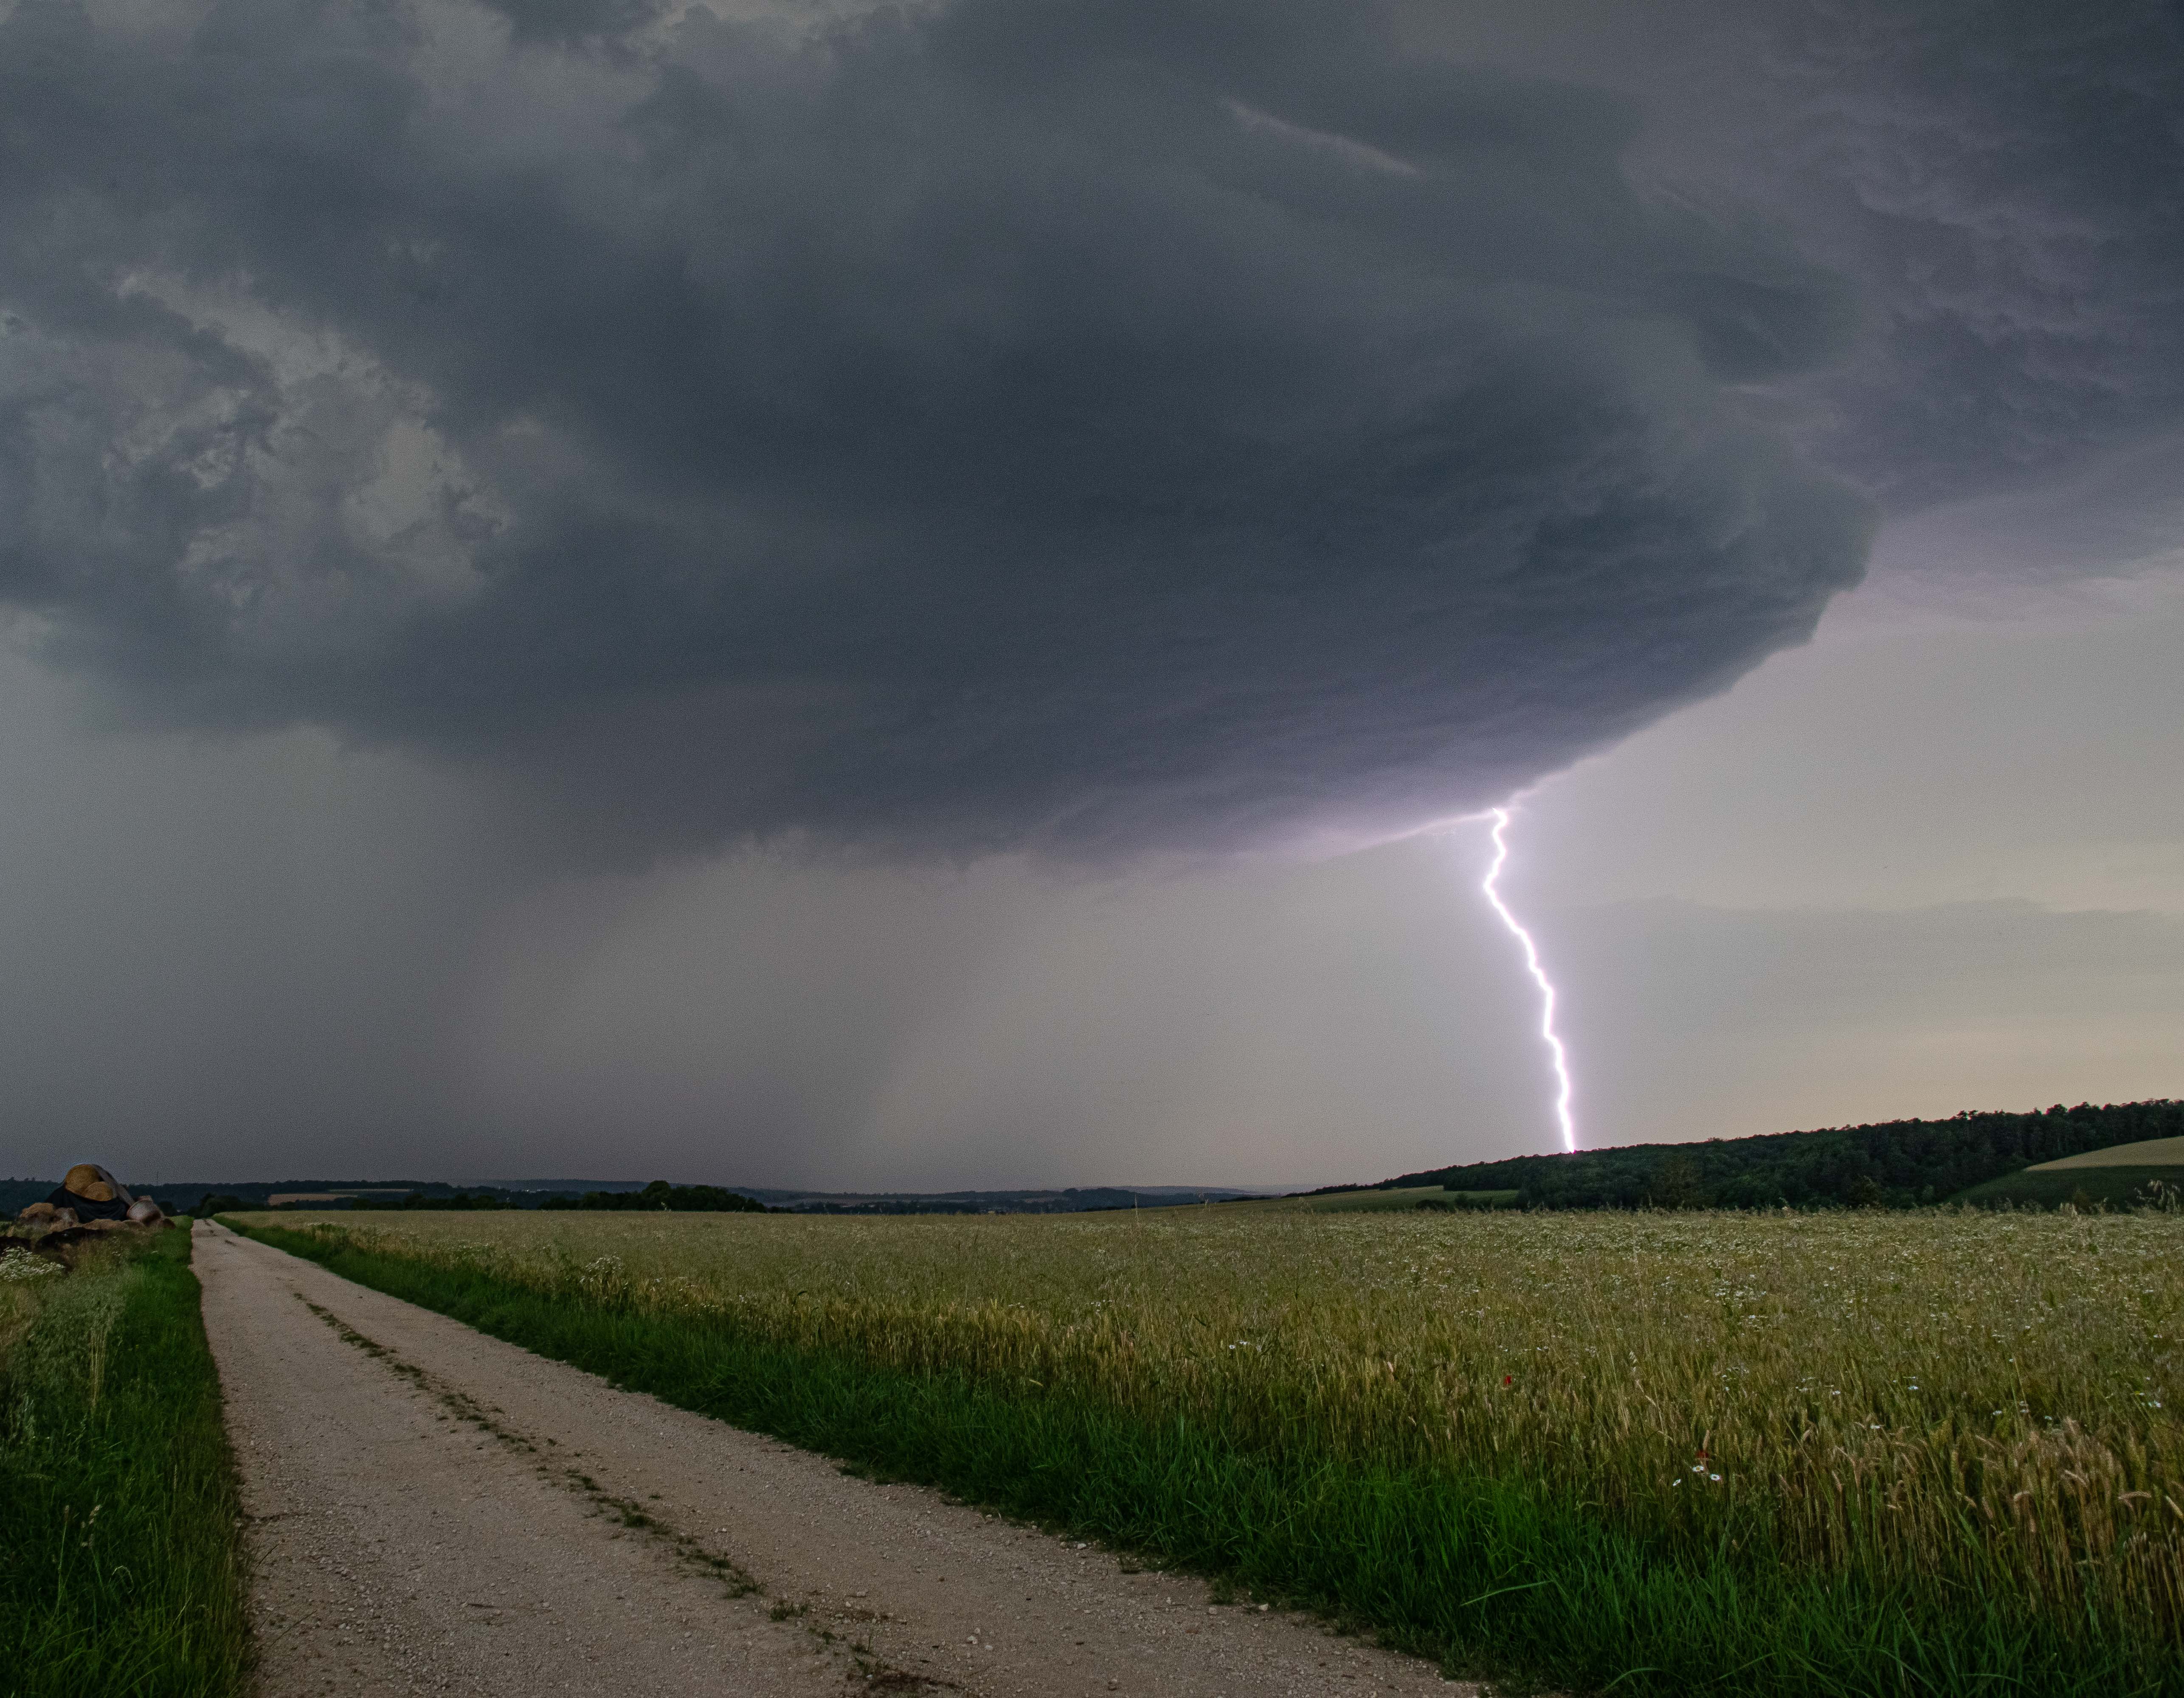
(1134, 424)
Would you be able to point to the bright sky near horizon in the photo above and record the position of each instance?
(1092, 493)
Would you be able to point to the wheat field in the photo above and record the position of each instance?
(1988, 1399)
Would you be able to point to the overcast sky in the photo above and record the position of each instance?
(928, 597)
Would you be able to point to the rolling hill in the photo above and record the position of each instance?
(2118, 1176)
(1897, 1164)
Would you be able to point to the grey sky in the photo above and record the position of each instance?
(820, 602)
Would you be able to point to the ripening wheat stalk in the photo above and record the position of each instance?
(1976, 1399)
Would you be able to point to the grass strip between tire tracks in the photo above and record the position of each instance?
(1490, 1578)
(122, 1569)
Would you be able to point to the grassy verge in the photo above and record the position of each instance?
(2112, 1188)
(1493, 1575)
(120, 1565)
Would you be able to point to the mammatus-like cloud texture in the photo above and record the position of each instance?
(1101, 426)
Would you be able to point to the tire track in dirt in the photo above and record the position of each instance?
(431, 1510)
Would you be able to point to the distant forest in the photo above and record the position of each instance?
(659, 1195)
(1895, 1164)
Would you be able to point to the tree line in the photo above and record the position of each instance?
(1892, 1164)
(659, 1195)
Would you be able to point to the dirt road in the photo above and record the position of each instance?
(433, 1510)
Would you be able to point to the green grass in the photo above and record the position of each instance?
(2122, 1177)
(2149, 1152)
(1498, 1570)
(2108, 1187)
(120, 1561)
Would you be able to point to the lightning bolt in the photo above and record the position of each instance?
(1500, 818)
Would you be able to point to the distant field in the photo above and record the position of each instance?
(2122, 1176)
(2153, 1152)
(2107, 1188)
(1852, 1453)
(1372, 1202)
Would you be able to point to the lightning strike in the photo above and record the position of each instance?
(1500, 818)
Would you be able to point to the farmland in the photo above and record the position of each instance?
(1370, 1202)
(1850, 1451)
(2117, 1177)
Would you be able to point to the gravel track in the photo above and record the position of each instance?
(430, 1510)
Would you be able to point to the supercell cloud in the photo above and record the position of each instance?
(1097, 427)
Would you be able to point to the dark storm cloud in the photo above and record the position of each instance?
(1103, 427)
(2004, 182)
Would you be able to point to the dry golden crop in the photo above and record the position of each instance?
(1967, 1393)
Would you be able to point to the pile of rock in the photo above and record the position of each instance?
(90, 1202)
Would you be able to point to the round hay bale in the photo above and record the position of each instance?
(92, 1189)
